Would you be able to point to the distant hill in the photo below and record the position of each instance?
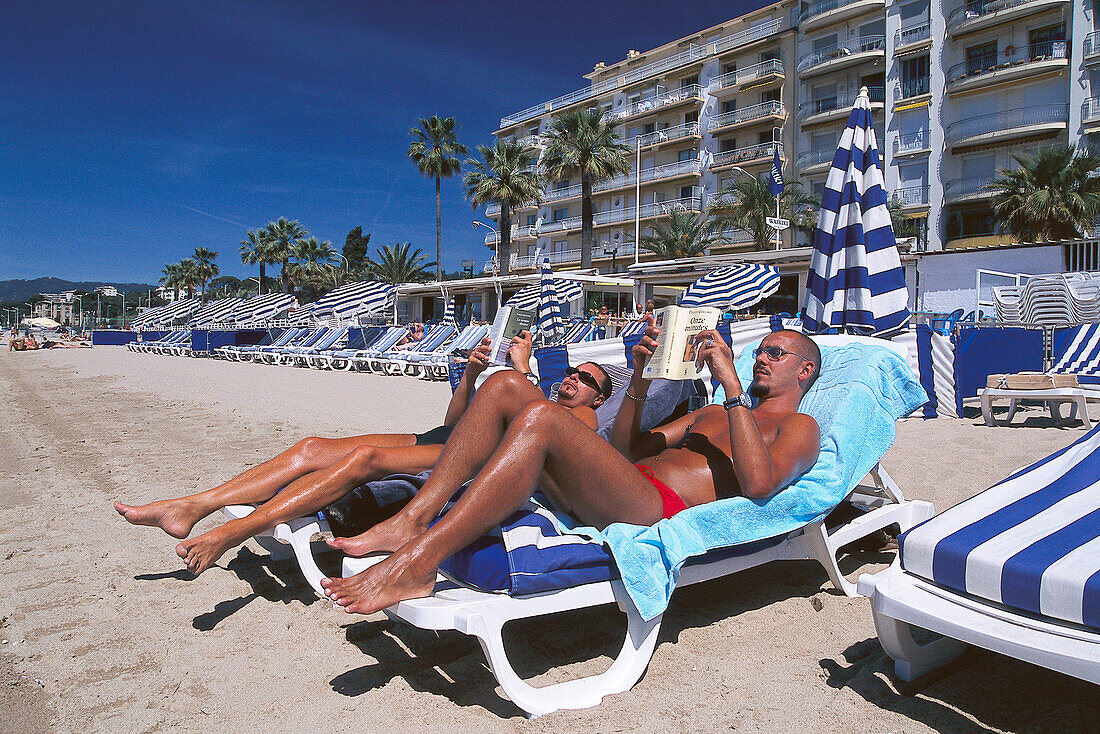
(21, 290)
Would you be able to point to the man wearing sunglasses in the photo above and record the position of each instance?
(317, 474)
(751, 446)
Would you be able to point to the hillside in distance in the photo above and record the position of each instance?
(21, 290)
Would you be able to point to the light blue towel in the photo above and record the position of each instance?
(862, 391)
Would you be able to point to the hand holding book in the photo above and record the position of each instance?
(713, 351)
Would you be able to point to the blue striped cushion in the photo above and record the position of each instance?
(1031, 542)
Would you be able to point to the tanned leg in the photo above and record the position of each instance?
(259, 484)
(306, 496)
(599, 483)
(476, 435)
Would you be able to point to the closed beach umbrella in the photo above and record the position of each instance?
(449, 312)
(855, 283)
(548, 321)
(733, 288)
(44, 322)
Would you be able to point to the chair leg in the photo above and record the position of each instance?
(912, 659)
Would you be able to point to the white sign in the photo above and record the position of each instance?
(778, 224)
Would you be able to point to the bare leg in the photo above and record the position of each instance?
(599, 483)
(471, 444)
(259, 484)
(306, 496)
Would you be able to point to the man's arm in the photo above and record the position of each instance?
(520, 356)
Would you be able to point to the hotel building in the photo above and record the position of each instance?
(957, 89)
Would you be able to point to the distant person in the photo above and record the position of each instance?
(649, 307)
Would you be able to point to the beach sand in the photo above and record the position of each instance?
(104, 631)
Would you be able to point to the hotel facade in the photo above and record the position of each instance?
(957, 89)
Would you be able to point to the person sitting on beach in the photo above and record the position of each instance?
(23, 345)
(412, 338)
(317, 472)
(509, 437)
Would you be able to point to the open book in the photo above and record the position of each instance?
(508, 323)
(676, 352)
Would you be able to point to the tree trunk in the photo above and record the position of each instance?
(438, 234)
(504, 244)
(284, 276)
(261, 289)
(586, 221)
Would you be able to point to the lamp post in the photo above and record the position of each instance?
(347, 265)
(611, 251)
(258, 286)
(496, 243)
(637, 194)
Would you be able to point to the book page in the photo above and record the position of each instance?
(676, 352)
(508, 323)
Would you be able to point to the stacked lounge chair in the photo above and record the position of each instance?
(1064, 298)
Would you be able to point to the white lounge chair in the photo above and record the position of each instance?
(1013, 569)
(391, 362)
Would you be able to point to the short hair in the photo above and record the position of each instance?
(606, 388)
(809, 351)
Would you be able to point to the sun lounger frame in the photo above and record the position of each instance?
(1052, 397)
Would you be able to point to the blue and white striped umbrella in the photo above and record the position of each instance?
(855, 283)
(262, 308)
(733, 288)
(167, 315)
(548, 321)
(528, 296)
(214, 312)
(353, 299)
(449, 312)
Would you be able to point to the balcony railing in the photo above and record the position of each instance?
(687, 130)
(911, 142)
(530, 141)
(740, 76)
(823, 6)
(911, 88)
(988, 63)
(691, 55)
(969, 186)
(910, 196)
(913, 34)
(618, 216)
(748, 153)
(978, 8)
(1090, 109)
(766, 109)
(1010, 120)
(844, 99)
(840, 50)
(657, 101)
(815, 157)
(559, 257)
(1092, 43)
(669, 170)
(749, 35)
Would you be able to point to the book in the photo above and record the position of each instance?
(676, 352)
(508, 323)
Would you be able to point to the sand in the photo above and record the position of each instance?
(103, 631)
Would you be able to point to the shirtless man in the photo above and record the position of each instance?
(316, 471)
(718, 451)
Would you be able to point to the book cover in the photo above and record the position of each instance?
(508, 323)
(676, 352)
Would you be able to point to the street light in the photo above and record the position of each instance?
(496, 238)
(347, 265)
(257, 284)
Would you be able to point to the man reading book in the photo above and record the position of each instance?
(752, 447)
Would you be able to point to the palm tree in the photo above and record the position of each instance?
(256, 248)
(502, 178)
(205, 267)
(581, 142)
(435, 151)
(281, 236)
(1053, 195)
(397, 265)
(189, 276)
(170, 278)
(313, 259)
(682, 234)
(747, 203)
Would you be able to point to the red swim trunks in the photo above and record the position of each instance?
(670, 501)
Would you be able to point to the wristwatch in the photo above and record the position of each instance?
(743, 400)
(532, 378)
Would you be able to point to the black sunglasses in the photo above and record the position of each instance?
(776, 353)
(586, 379)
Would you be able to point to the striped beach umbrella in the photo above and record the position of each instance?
(733, 288)
(548, 321)
(528, 296)
(855, 283)
(214, 312)
(449, 312)
(261, 308)
(167, 315)
(353, 299)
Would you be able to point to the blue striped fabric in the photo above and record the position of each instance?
(855, 282)
(733, 288)
(1031, 541)
(215, 312)
(167, 315)
(262, 308)
(449, 312)
(548, 321)
(528, 296)
(353, 299)
(1077, 350)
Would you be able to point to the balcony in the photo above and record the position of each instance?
(917, 143)
(565, 257)
(967, 189)
(910, 90)
(1092, 48)
(530, 141)
(1013, 64)
(627, 214)
(690, 56)
(826, 12)
(981, 14)
(834, 108)
(558, 103)
(749, 36)
(842, 55)
(657, 173)
(1090, 111)
(650, 105)
(749, 115)
(747, 156)
(1025, 122)
(812, 161)
(910, 197)
(757, 74)
(667, 135)
(912, 39)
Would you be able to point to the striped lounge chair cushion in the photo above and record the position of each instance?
(1031, 542)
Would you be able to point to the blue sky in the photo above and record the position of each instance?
(134, 132)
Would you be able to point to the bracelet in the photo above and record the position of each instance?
(632, 397)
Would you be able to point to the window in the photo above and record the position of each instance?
(560, 214)
(689, 154)
(914, 76)
(690, 117)
(825, 42)
(765, 137)
(689, 81)
(562, 184)
(729, 105)
(687, 192)
(532, 220)
(533, 130)
(730, 67)
(981, 57)
(914, 13)
(1048, 42)
(770, 95)
(727, 144)
(559, 246)
(768, 56)
(648, 128)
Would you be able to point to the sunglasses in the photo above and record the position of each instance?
(776, 353)
(586, 379)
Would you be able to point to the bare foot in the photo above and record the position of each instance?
(175, 517)
(380, 586)
(385, 537)
(204, 551)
